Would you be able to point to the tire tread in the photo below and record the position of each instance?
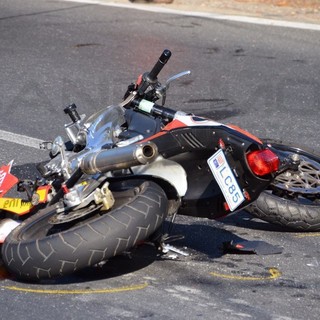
(83, 246)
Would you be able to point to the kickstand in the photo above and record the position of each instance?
(168, 247)
(161, 240)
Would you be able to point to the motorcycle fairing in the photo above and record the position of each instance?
(7, 180)
(178, 142)
(183, 120)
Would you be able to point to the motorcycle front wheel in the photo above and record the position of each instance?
(293, 199)
(37, 250)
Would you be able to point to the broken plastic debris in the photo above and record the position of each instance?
(251, 247)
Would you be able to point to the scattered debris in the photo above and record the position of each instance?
(251, 247)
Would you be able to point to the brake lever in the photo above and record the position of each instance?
(162, 90)
(177, 76)
(128, 99)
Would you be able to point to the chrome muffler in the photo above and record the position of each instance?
(119, 158)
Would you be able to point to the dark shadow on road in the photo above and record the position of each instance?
(245, 220)
(202, 239)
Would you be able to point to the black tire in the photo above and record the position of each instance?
(298, 205)
(31, 253)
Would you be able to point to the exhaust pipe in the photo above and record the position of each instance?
(119, 158)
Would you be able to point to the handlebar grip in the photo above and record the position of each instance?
(154, 109)
(163, 59)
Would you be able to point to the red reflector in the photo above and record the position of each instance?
(65, 189)
(226, 207)
(263, 162)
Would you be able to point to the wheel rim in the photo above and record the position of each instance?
(48, 224)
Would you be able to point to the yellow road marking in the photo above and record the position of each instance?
(274, 274)
(78, 291)
(304, 235)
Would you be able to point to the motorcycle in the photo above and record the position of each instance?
(126, 169)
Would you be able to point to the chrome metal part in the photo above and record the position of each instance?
(104, 195)
(129, 99)
(305, 180)
(58, 146)
(73, 129)
(161, 91)
(177, 76)
(130, 141)
(74, 197)
(119, 158)
(167, 247)
(100, 131)
(103, 127)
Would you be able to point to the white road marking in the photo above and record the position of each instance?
(20, 139)
(214, 16)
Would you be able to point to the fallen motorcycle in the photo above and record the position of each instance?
(128, 167)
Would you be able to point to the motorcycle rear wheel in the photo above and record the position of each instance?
(38, 250)
(293, 199)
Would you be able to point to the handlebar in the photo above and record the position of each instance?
(163, 59)
(151, 77)
(154, 109)
(138, 100)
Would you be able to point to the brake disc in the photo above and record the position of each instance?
(305, 180)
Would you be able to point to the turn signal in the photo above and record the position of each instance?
(263, 162)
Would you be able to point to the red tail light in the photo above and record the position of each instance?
(263, 162)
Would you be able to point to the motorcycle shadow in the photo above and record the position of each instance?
(245, 220)
(201, 241)
(204, 239)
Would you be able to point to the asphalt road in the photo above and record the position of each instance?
(265, 79)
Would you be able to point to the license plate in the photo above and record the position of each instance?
(226, 180)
